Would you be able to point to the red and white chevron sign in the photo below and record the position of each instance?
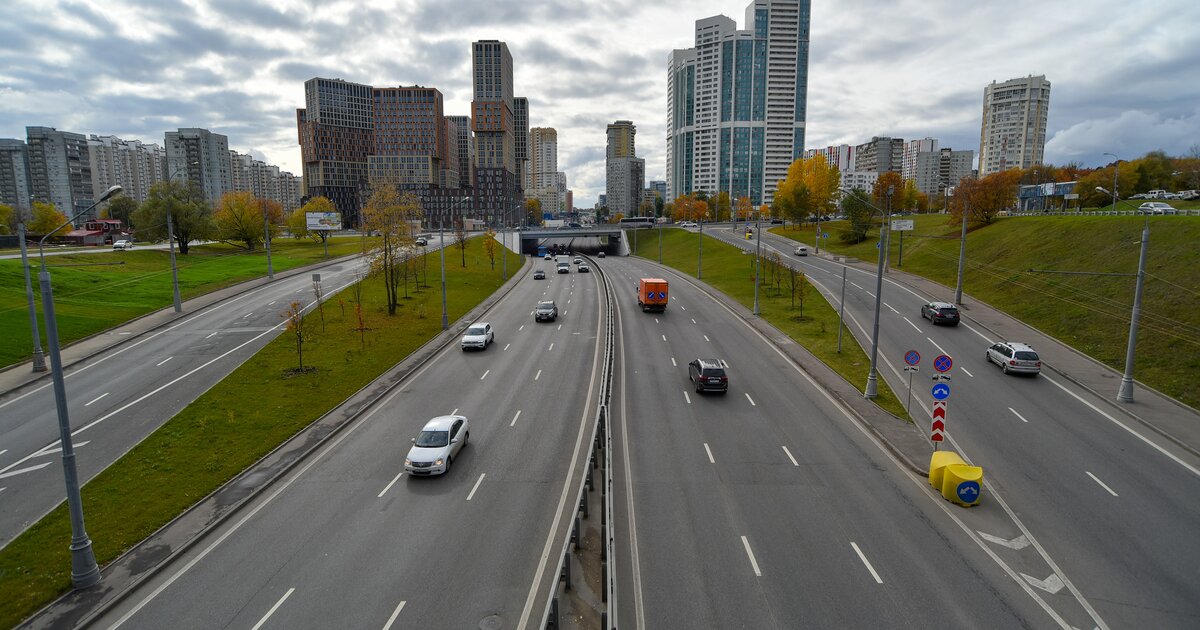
(937, 431)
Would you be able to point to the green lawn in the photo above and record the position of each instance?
(249, 413)
(94, 292)
(1089, 313)
(730, 271)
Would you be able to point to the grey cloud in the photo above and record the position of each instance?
(258, 13)
(300, 71)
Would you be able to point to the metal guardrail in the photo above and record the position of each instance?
(1098, 213)
(601, 442)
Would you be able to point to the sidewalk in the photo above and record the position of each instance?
(22, 374)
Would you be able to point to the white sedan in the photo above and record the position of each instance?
(437, 445)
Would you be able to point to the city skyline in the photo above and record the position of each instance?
(138, 69)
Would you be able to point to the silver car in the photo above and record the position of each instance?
(1012, 356)
(437, 445)
(478, 336)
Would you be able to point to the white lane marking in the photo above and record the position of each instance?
(1018, 543)
(1102, 484)
(935, 345)
(857, 285)
(687, 397)
(693, 321)
(890, 307)
(514, 420)
(163, 361)
(559, 327)
(212, 334)
(3, 489)
(272, 303)
(751, 400)
(912, 324)
(88, 404)
(390, 484)
(3, 451)
(706, 338)
(664, 337)
(680, 308)
(455, 412)
(866, 562)
(1052, 584)
(538, 375)
(869, 293)
(655, 320)
(789, 454)
(51, 449)
(506, 346)
(247, 315)
(485, 373)
(753, 562)
(709, 451)
(1141, 437)
(521, 328)
(568, 300)
(550, 348)
(1018, 415)
(22, 471)
(476, 487)
(672, 363)
(274, 608)
(966, 372)
(392, 619)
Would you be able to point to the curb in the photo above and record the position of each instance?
(93, 601)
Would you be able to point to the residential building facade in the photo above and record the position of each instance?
(737, 102)
(59, 170)
(935, 171)
(624, 171)
(463, 146)
(1013, 133)
(336, 134)
(498, 195)
(200, 156)
(864, 180)
(15, 189)
(128, 163)
(912, 148)
(881, 155)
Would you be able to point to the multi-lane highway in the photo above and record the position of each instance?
(1096, 491)
(348, 540)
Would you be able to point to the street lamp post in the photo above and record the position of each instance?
(1116, 167)
(700, 251)
(660, 243)
(39, 359)
(267, 240)
(872, 389)
(1125, 393)
(171, 247)
(84, 570)
(962, 255)
(757, 263)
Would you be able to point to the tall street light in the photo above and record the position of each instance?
(39, 359)
(84, 570)
(171, 245)
(873, 376)
(267, 238)
(1116, 167)
(757, 262)
(1125, 392)
(962, 251)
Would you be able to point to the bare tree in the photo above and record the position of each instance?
(295, 325)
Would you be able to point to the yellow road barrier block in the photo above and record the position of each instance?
(962, 484)
(937, 465)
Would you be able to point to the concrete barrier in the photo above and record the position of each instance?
(954, 479)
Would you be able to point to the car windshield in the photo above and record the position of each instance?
(433, 439)
(475, 330)
(1025, 355)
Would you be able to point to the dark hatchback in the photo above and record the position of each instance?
(708, 375)
(940, 313)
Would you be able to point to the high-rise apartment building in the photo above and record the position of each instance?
(659, 186)
(203, 157)
(411, 147)
(521, 139)
(336, 133)
(737, 100)
(543, 156)
(15, 189)
(839, 155)
(59, 169)
(493, 119)
(912, 148)
(128, 163)
(934, 171)
(266, 181)
(464, 147)
(880, 155)
(624, 171)
(1013, 134)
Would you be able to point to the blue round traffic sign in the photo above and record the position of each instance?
(968, 491)
(912, 357)
(941, 391)
(943, 363)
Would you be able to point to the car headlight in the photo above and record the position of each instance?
(407, 462)
(439, 461)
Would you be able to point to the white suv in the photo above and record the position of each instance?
(478, 336)
(122, 244)
(1012, 356)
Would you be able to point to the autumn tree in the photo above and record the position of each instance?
(387, 213)
(45, 218)
(489, 247)
(744, 208)
(460, 237)
(808, 188)
(689, 208)
(121, 208)
(239, 217)
(191, 215)
(7, 217)
(892, 181)
(646, 208)
(723, 207)
(533, 211)
(985, 197)
(859, 214)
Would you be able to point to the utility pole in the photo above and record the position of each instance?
(757, 263)
(1116, 167)
(267, 240)
(39, 359)
(1125, 393)
(962, 257)
(872, 389)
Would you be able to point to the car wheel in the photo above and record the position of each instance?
(1004, 368)
(466, 437)
(697, 383)
(449, 460)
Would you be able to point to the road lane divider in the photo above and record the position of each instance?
(1102, 484)
(750, 554)
(395, 613)
(160, 363)
(1014, 411)
(789, 455)
(752, 403)
(709, 452)
(863, 557)
(390, 484)
(89, 403)
(514, 420)
(274, 608)
(476, 486)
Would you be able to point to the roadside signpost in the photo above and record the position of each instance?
(938, 429)
(902, 226)
(940, 392)
(911, 358)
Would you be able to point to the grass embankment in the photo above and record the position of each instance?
(1088, 313)
(254, 409)
(96, 291)
(730, 271)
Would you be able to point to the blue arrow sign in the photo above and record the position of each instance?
(941, 391)
(968, 491)
(824, 234)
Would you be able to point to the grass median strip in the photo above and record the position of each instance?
(96, 291)
(729, 270)
(1087, 312)
(257, 407)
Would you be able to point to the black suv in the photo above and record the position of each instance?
(708, 375)
(547, 311)
(940, 313)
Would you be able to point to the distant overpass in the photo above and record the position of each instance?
(605, 238)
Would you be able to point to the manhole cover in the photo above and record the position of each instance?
(491, 622)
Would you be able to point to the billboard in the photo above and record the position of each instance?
(329, 221)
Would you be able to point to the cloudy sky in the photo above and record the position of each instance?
(1123, 72)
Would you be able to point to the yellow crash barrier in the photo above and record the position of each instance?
(958, 482)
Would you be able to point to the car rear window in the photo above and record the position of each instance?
(948, 311)
(713, 372)
(1026, 355)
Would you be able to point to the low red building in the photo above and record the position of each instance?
(98, 232)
